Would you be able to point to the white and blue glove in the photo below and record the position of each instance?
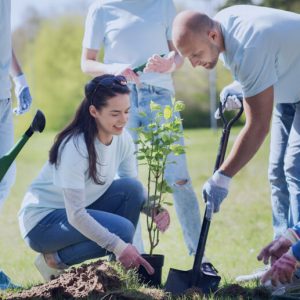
(215, 190)
(230, 95)
(23, 95)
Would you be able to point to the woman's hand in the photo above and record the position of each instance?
(162, 220)
(131, 259)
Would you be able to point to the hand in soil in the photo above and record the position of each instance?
(274, 250)
(162, 220)
(131, 259)
(282, 270)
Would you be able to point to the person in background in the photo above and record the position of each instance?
(132, 33)
(75, 209)
(9, 66)
(258, 45)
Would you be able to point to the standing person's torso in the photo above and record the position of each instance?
(131, 31)
(46, 192)
(262, 49)
(5, 48)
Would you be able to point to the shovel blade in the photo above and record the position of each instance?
(179, 281)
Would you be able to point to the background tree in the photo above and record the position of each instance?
(290, 5)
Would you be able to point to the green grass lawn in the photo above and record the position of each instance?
(237, 232)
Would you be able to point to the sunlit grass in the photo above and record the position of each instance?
(237, 233)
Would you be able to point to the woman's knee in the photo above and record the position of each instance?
(136, 192)
(127, 231)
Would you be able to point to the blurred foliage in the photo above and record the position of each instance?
(290, 5)
(51, 61)
(50, 50)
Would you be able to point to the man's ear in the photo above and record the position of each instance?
(93, 111)
(213, 35)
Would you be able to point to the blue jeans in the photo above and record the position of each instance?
(284, 167)
(6, 143)
(185, 200)
(6, 283)
(118, 210)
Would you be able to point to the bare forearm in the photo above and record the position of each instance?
(15, 69)
(258, 111)
(93, 67)
(246, 145)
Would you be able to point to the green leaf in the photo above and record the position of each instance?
(167, 112)
(142, 114)
(154, 106)
(179, 106)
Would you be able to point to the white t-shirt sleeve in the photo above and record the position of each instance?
(73, 163)
(128, 164)
(94, 28)
(170, 14)
(257, 71)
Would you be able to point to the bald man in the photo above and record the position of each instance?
(260, 46)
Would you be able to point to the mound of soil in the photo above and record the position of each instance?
(77, 283)
(96, 280)
(235, 291)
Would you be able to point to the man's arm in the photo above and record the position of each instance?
(15, 68)
(21, 87)
(258, 110)
(89, 63)
(90, 66)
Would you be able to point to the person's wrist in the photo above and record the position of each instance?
(292, 253)
(116, 68)
(221, 180)
(291, 235)
(120, 247)
(20, 80)
(172, 68)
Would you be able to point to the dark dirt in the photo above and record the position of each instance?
(89, 281)
(98, 280)
(235, 291)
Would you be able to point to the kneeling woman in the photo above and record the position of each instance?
(76, 209)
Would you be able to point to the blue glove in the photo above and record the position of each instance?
(23, 95)
(215, 190)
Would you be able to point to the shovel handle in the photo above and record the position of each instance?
(227, 124)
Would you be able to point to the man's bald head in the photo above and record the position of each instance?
(189, 23)
(198, 38)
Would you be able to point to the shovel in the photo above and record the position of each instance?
(179, 281)
(37, 124)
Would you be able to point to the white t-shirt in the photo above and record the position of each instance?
(45, 194)
(5, 49)
(131, 31)
(262, 49)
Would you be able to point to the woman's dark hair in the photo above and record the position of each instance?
(97, 92)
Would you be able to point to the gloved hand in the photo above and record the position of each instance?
(282, 270)
(215, 189)
(278, 247)
(131, 259)
(162, 220)
(23, 95)
(232, 93)
(159, 64)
